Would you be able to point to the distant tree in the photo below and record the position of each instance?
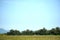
(53, 31)
(17, 32)
(27, 32)
(13, 32)
(57, 31)
(36, 32)
(41, 32)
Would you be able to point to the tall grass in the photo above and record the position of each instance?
(33, 37)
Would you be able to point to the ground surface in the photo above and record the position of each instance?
(34, 37)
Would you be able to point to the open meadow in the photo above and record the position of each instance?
(33, 37)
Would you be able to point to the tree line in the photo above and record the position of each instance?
(44, 31)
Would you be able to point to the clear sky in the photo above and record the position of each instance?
(29, 14)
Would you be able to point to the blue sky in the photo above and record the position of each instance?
(29, 14)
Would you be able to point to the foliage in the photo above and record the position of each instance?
(13, 32)
(53, 31)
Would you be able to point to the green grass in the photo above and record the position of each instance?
(34, 37)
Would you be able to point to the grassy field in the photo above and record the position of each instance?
(34, 37)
